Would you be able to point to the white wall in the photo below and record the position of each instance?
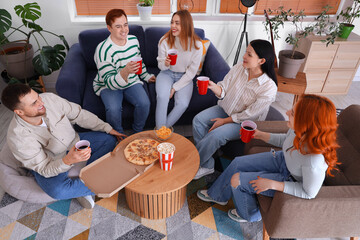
(223, 34)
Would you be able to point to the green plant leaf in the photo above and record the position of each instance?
(32, 25)
(64, 41)
(5, 21)
(30, 11)
(49, 59)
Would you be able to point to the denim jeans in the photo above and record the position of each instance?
(164, 83)
(61, 186)
(113, 101)
(207, 143)
(265, 165)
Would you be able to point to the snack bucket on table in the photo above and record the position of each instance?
(166, 155)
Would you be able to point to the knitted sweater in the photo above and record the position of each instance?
(110, 59)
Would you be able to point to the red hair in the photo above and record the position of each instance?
(113, 14)
(315, 125)
(187, 31)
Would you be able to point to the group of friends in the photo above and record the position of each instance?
(42, 138)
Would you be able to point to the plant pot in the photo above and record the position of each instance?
(289, 67)
(144, 12)
(345, 30)
(18, 63)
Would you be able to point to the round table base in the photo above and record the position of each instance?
(156, 206)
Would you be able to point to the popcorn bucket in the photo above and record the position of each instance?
(166, 155)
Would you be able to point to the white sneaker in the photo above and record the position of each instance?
(86, 201)
(234, 216)
(203, 172)
(203, 195)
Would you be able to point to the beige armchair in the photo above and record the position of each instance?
(335, 212)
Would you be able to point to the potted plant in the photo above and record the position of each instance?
(291, 60)
(348, 16)
(145, 7)
(18, 56)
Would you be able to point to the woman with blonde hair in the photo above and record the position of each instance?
(308, 154)
(176, 80)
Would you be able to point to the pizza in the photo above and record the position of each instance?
(142, 151)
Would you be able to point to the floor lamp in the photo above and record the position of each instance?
(246, 3)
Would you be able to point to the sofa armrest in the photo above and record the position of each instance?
(215, 66)
(71, 81)
(256, 145)
(335, 212)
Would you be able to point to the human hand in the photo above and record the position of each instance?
(261, 184)
(261, 135)
(167, 61)
(152, 79)
(217, 123)
(119, 136)
(131, 67)
(75, 156)
(172, 92)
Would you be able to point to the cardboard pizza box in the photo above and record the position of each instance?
(112, 172)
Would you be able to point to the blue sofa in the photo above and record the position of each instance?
(76, 76)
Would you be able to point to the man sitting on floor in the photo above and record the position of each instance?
(42, 138)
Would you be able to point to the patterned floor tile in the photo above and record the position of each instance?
(178, 219)
(123, 208)
(214, 236)
(28, 208)
(12, 210)
(50, 218)
(142, 233)
(195, 185)
(252, 231)
(33, 220)
(74, 207)
(206, 219)
(200, 231)
(157, 225)
(20, 231)
(109, 203)
(72, 229)
(61, 206)
(6, 200)
(55, 231)
(100, 214)
(6, 231)
(197, 206)
(82, 236)
(83, 217)
(5, 220)
(32, 237)
(182, 232)
(225, 237)
(227, 226)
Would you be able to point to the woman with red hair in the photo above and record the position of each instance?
(308, 154)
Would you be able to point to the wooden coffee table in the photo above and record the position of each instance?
(159, 194)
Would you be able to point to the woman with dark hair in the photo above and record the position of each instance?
(308, 154)
(245, 94)
(176, 80)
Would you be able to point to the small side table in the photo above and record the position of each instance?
(294, 86)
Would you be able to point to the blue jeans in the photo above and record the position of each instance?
(164, 83)
(266, 165)
(113, 101)
(63, 187)
(207, 143)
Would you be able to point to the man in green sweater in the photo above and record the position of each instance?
(117, 78)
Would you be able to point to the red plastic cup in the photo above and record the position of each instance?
(203, 83)
(172, 53)
(247, 130)
(82, 145)
(166, 155)
(139, 61)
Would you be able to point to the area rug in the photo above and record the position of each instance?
(112, 219)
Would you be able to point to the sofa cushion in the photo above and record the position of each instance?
(89, 39)
(153, 35)
(348, 137)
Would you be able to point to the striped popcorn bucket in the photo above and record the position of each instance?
(166, 155)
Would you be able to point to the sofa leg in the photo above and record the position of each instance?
(266, 235)
(354, 238)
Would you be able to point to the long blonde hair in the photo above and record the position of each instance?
(187, 31)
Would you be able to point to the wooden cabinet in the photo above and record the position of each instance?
(331, 69)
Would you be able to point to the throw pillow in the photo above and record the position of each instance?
(206, 44)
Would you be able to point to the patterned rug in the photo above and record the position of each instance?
(112, 219)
